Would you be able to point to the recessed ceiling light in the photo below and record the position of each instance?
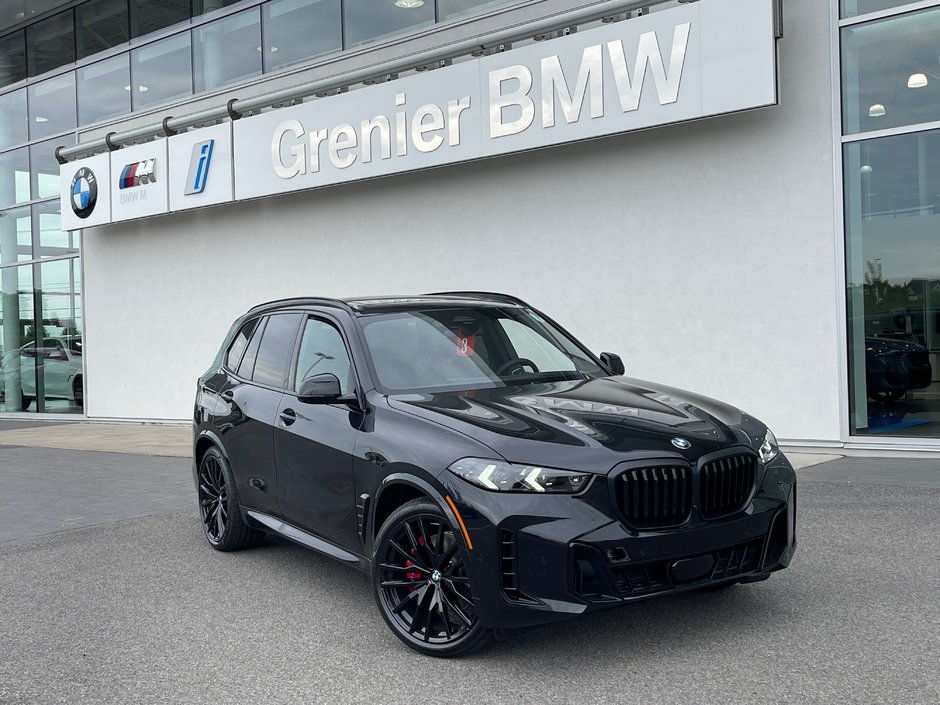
(409, 4)
(876, 111)
(40, 118)
(866, 169)
(141, 88)
(917, 80)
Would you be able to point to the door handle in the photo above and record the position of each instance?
(288, 416)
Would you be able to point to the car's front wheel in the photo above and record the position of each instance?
(420, 582)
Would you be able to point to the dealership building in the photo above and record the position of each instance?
(740, 197)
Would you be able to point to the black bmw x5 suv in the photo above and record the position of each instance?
(486, 469)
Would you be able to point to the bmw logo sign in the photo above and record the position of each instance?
(681, 443)
(84, 191)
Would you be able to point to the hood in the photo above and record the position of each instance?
(586, 424)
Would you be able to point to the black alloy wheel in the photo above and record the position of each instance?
(421, 585)
(78, 393)
(222, 521)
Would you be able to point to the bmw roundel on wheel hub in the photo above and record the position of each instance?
(485, 468)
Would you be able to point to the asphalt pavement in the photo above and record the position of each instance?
(129, 605)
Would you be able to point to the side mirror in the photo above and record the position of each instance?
(320, 389)
(613, 363)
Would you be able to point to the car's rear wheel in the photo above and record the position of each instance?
(222, 521)
(420, 582)
(25, 401)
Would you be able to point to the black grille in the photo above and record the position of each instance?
(643, 580)
(509, 567)
(738, 560)
(656, 496)
(725, 484)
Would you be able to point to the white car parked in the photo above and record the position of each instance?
(59, 360)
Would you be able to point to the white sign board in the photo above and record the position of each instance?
(139, 181)
(85, 200)
(680, 64)
(689, 62)
(201, 167)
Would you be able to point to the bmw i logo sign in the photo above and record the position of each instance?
(681, 443)
(84, 192)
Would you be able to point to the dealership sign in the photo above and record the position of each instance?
(681, 64)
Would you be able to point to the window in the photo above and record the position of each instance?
(12, 58)
(148, 16)
(101, 24)
(44, 169)
(53, 241)
(889, 72)
(532, 346)
(50, 43)
(52, 106)
(853, 8)
(295, 30)
(322, 350)
(227, 50)
(368, 20)
(104, 90)
(277, 348)
(14, 174)
(201, 7)
(451, 9)
(162, 71)
(892, 217)
(247, 366)
(13, 118)
(16, 238)
(237, 348)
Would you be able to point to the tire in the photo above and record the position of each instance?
(219, 510)
(25, 401)
(420, 583)
(78, 393)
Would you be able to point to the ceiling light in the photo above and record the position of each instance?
(866, 169)
(141, 88)
(409, 4)
(40, 118)
(917, 80)
(272, 49)
(876, 111)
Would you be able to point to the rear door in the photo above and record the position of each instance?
(252, 392)
(314, 442)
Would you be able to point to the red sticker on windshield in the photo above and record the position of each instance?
(464, 343)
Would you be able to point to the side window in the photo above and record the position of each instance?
(247, 366)
(532, 346)
(322, 350)
(277, 347)
(237, 348)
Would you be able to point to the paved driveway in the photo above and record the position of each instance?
(142, 611)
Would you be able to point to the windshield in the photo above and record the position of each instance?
(467, 347)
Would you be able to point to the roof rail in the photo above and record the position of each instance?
(481, 294)
(300, 301)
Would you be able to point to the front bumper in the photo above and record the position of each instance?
(540, 558)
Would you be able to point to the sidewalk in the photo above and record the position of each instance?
(167, 440)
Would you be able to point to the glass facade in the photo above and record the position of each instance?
(890, 79)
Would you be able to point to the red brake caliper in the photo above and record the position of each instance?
(413, 574)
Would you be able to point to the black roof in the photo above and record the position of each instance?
(363, 304)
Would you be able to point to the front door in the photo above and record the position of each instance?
(314, 443)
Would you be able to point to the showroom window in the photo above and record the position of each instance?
(890, 82)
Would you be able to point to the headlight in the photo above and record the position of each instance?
(768, 448)
(500, 476)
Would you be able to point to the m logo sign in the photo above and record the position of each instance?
(138, 174)
(199, 167)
